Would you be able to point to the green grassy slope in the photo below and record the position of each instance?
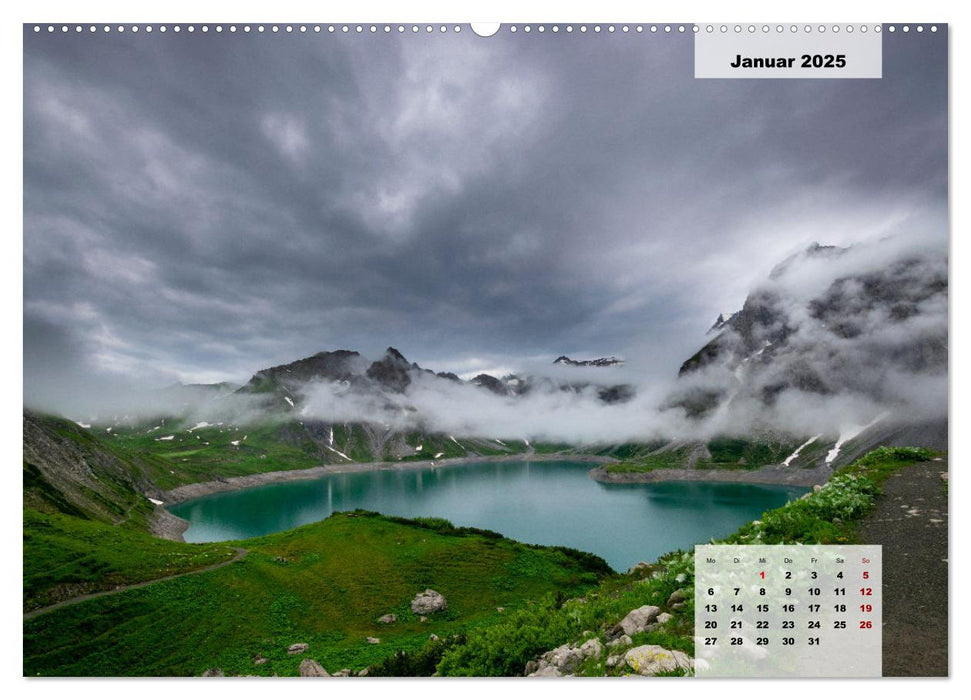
(324, 584)
(66, 556)
(66, 469)
(722, 452)
(209, 452)
(177, 453)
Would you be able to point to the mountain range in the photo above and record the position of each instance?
(837, 351)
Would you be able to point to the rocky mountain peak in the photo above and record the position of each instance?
(838, 336)
(487, 381)
(339, 365)
(392, 371)
(394, 355)
(599, 362)
(813, 250)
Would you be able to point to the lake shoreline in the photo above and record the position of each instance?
(188, 492)
(547, 500)
(773, 474)
(777, 475)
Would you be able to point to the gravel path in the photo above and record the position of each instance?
(910, 521)
(240, 553)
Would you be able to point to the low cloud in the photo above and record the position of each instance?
(836, 338)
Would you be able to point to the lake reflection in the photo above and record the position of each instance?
(552, 503)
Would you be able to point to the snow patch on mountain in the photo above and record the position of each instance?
(848, 434)
(788, 460)
(338, 452)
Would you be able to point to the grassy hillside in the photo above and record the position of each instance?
(66, 469)
(324, 584)
(66, 556)
(175, 452)
(722, 452)
(327, 584)
(179, 454)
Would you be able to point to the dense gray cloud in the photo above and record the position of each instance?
(197, 207)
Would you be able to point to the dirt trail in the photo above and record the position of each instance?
(240, 553)
(911, 522)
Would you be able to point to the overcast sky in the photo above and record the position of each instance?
(197, 207)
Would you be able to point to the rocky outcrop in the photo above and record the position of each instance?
(565, 659)
(826, 337)
(599, 362)
(642, 619)
(339, 365)
(297, 648)
(66, 469)
(651, 659)
(388, 619)
(621, 641)
(679, 596)
(311, 669)
(428, 602)
(392, 371)
(487, 381)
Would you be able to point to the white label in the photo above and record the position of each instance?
(787, 54)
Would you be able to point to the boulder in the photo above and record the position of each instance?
(547, 671)
(638, 567)
(621, 641)
(565, 659)
(213, 673)
(388, 619)
(343, 673)
(640, 619)
(679, 596)
(372, 640)
(311, 669)
(298, 648)
(428, 602)
(592, 648)
(259, 659)
(651, 659)
(663, 618)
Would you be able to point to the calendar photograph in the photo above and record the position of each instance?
(515, 350)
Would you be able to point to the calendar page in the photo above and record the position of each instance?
(405, 347)
(781, 611)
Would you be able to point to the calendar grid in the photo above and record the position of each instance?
(788, 611)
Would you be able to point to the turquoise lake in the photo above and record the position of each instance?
(552, 503)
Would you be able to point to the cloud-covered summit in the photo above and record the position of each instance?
(199, 205)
